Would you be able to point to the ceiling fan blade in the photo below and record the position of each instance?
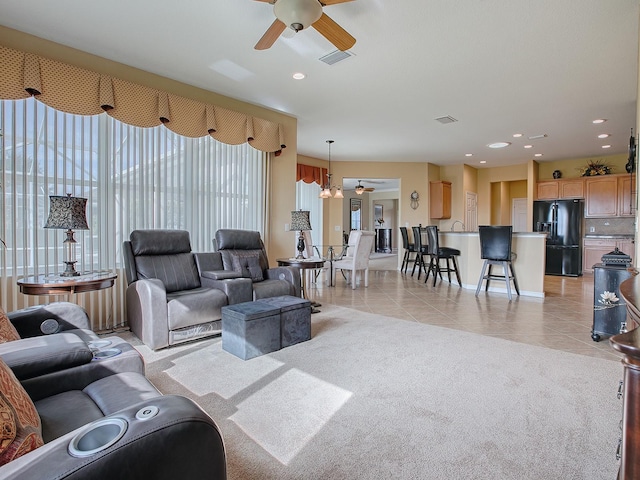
(267, 1)
(331, 2)
(271, 35)
(334, 33)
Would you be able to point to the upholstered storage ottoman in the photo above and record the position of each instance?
(295, 318)
(250, 329)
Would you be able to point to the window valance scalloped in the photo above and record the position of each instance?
(309, 174)
(76, 90)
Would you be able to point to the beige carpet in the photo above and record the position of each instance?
(370, 397)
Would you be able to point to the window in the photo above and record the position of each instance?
(133, 178)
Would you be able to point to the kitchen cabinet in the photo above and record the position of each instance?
(548, 190)
(555, 189)
(601, 196)
(440, 199)
(594, 248)
(627, 196)
(610, 196)
(572, 188)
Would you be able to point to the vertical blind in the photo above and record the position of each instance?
(133, 178)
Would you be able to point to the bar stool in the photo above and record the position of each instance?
(409, 248)
(437, 253)
(495, 249)
(421, 251)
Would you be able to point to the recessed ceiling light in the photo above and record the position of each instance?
(606, 146)
(299, 76)
(483, 161)
(517, 135)
(528, 146)
(498, 145)
(603, 135)
(599, 120)
(537, 154)
(468, 154)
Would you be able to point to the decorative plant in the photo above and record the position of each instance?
(595, 167)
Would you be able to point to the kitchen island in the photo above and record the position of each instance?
(530, 248)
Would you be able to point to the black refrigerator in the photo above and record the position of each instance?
(561, 220)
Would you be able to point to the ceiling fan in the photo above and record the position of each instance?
(360, 189)
(300, 14)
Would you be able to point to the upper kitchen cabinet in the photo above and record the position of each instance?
(440, 199)
(609, 196)
(572, 188)
(555, 189)
(627, 196)
(548, 190)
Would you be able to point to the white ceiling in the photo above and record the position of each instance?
(498, 67)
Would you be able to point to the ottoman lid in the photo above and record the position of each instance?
(251, 310)
(287, 302)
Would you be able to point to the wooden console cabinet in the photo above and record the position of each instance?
(629, 345)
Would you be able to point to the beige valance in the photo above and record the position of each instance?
(79, 91)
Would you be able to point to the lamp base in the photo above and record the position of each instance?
(300, 247)
(70, 271)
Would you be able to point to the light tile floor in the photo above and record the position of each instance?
(562, 320)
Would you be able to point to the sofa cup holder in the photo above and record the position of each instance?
(106, 353)
(98, 436)
(98, 344)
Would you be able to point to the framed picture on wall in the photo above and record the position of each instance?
(356, 214)
(377, 215)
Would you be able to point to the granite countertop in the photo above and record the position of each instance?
(609, 235)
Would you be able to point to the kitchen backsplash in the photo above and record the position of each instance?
(609, 226)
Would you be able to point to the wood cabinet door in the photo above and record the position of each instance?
(548, 190)
(592, 252)
(601, 196)
(440, 199)
(626, 196)
(627, 246)
(572, 188)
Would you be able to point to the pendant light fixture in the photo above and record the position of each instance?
(327, 188)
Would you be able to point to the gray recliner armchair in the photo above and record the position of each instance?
(56, 348)
(243, 254)
(166, 300)
(117, 426)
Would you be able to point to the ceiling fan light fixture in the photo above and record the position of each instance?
(359, 188)
(297, 14)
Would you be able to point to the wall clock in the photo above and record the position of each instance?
(414, 199)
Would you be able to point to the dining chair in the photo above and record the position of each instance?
(409, 248)
(438, 253)
(421, 250)
(359, 260)
(495, 249)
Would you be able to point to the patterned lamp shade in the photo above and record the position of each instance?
(300, 220)
(67, 212)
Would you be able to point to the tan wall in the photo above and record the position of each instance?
(571, 168)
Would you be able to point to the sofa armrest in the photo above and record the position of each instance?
(68, 315)
(147, 312)
(221, 274)
(290, 274)
(33, 357)
(237, 290)
(180, 441)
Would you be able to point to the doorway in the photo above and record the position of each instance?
(519, 215)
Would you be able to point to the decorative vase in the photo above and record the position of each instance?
(557, 174)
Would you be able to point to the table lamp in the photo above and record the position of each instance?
(300, 222)
(68, 213)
